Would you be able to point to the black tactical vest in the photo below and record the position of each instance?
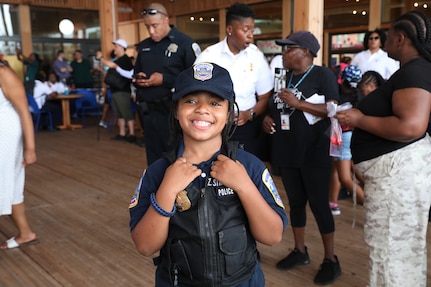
(209, 244)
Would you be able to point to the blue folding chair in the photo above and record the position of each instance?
(37, 113)
(87, 104)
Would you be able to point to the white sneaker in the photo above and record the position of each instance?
(335, 208)
(103, 124)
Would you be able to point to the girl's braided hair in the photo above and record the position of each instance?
(372, 77)
(417, 27)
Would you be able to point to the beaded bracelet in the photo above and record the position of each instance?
(160, 210)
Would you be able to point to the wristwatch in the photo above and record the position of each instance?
(252, 114)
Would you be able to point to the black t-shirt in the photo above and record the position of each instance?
(365, 146)
(125, 63)
(304, 143)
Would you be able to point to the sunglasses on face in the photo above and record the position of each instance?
(373, 38)
(151, 12)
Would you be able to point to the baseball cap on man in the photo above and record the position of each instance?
(207, 77)
(303, 39)
(121, 42)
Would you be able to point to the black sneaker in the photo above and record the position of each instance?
(328, 272)
(295, 258)
(119, 138)
(131, 139)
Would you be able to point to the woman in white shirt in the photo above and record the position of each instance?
(252, 78)
(373, 58)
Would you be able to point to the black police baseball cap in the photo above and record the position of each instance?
(303, 39)
(207, 77)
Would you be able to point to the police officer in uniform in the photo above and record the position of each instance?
(206, 203)
(161, 57)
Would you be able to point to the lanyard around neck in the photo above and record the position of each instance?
(289, 85)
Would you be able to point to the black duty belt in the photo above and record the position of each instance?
(163, 105)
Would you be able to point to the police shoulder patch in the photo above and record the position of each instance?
(269, 183)
(196, 49)
(135, 197)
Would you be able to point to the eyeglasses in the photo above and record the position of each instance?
(152, 12)
(373, 38)
(287, 48)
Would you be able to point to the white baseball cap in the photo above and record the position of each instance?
(121, 42)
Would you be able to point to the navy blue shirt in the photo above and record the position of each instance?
(257, 171)
(153, 176)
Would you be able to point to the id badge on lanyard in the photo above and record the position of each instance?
(285, 113)
(285, 121)
(288, 111)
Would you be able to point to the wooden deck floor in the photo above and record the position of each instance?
(77, 199)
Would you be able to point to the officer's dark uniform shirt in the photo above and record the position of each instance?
(172, 55)
(304, 143)
(257, 171)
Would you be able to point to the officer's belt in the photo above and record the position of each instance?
(162, 105)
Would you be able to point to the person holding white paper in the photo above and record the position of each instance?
(301, 148)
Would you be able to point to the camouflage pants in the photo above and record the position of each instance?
(397, 201)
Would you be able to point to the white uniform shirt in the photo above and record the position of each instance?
(248, 69)
(43, 89)
(379, 62)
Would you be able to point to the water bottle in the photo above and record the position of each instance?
(66, 87)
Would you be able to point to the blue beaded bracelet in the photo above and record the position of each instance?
(160, 210)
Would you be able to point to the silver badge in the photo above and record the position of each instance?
(203, 71)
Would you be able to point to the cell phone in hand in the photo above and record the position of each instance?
(138, 76)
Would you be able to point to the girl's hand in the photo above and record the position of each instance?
(179, 175)
(231, 173)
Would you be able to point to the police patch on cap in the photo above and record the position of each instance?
(203, 71)
(204, 77)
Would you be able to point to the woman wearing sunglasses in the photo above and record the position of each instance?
(373, 58)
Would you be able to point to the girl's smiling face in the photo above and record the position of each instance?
(202, 116)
